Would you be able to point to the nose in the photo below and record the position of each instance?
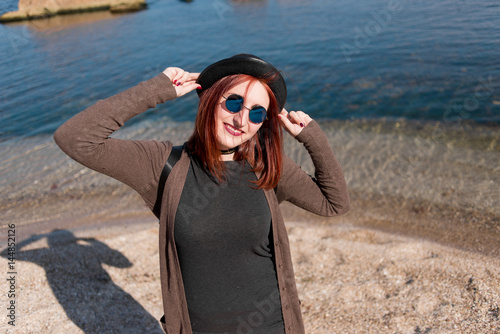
(241, 118)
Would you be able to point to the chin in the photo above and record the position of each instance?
(229, 144)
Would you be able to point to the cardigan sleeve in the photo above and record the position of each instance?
(85, 137)
(326, 194)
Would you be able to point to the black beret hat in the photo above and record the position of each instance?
(244, 64)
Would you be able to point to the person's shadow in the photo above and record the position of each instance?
(90, 298)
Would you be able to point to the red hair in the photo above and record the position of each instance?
(263, 151)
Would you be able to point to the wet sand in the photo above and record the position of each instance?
(418, 253)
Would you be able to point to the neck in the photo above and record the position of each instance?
(228, 155)
(229, 151)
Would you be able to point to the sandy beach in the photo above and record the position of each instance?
(350, 280)
(417, 253)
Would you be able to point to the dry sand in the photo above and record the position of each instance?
(350, 280)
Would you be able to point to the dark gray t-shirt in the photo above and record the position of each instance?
(223, 237)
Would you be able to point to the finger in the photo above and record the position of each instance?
(184, 78)
(193, 76)
(180, 79)
(283, 116)
(168, 72)
(192, 85)
(172, 72)
(178, 75)
(301, 114)
(295, 118)
(186, 88)
(286, 118)
(291, 128)
(305, 117)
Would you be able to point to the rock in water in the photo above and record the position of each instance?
(36, 9)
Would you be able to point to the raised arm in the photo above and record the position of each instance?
(326, 194)
(85, 137)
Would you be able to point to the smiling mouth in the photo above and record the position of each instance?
(232, 130)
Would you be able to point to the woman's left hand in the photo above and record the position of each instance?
(294, 121)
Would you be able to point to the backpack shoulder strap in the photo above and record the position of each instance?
(174, 156)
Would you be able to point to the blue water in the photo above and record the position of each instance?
(416, 60)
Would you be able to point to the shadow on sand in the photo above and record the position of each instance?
(90, 298)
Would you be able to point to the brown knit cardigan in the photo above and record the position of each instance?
(85, 138)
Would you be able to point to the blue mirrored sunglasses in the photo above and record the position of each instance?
(234, 103)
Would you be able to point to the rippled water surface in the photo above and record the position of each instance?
(425, 60)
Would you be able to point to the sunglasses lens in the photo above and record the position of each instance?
(257, 115)
(234, 103)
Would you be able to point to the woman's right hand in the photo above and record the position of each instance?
(184, 82)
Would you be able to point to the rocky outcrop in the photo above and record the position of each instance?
(36, 9)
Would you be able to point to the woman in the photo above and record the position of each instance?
(226, 266)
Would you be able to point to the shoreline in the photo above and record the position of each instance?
(401, 180)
